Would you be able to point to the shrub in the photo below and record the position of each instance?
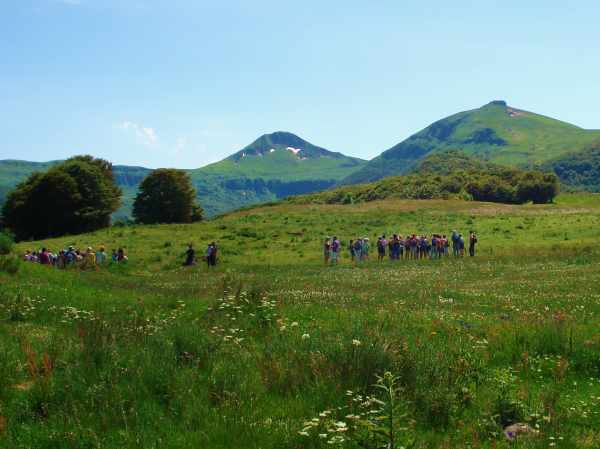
(6, 244)
(10, 264)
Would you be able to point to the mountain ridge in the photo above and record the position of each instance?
(233, 182)
(496, 132)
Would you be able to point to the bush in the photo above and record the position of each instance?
(6, 244)
(10, 264)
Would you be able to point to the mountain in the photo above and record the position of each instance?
(272, 167)
(578, 171)
(495, 132)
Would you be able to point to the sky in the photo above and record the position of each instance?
(184, 83)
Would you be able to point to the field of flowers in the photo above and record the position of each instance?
(274, 350)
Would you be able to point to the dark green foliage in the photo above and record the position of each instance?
(78, 195)
(579, 170)
(452, 161)
(450, 175)
(166, 196)
(10, 264)
(540, 188)
(6, 244)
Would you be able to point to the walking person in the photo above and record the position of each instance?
(472, 243)
(365, 248)
(358, 247)
(455, 244)
(101, 255)
(190, 256)
(335, 250)
(381, 246)
(211, 255)
(327, 250)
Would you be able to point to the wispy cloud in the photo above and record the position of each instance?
(147, 135)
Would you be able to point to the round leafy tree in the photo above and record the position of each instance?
(166, 196)
(78, 195)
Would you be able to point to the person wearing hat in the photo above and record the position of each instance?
(89, 260)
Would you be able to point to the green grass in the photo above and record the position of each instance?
(152, 354)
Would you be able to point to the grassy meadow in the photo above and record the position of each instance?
(274, 350)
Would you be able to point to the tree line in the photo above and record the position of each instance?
(80, 195)
(447, 175)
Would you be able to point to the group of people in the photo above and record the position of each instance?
(74, 257)
(397, 247)
(210, 255)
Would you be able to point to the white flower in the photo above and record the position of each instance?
(305, 336)
(294, 324)
(356, 342)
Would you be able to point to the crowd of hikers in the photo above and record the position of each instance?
(72, 257)
(397, 247)
(210, 255)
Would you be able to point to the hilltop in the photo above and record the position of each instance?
(272, 167)
(496, 132)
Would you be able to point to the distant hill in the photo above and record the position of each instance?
(494, 132)
(272, 167)
(578, 171)
(447, 175)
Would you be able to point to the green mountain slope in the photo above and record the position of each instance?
(495, 132)
(274, 166)
(578, 171)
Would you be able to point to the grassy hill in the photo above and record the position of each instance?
(274, 350)
(444, 175)
(494, 132)
(273, 167)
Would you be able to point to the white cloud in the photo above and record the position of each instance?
(147, 135)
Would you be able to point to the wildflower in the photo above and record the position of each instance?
(356, 342)
(303, 433)
(294, 324)
(305, 336)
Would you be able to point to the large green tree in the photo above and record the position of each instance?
(78, 195)
(166, 196)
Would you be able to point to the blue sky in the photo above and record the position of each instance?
(183, 83)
